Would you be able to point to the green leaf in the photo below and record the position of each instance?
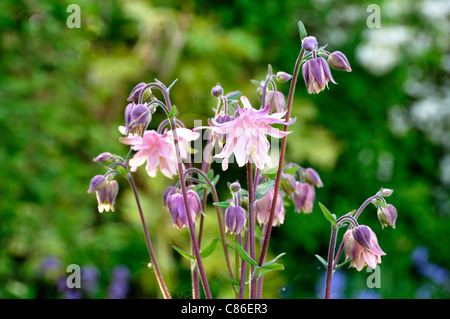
(273, 260)
(173, 112)
(264, 188)
(270, 171)
(302, 30)
(233, 95)
(183, 253)
(205, 252)
(330, 217)
(323, 261)
(246, 257)
(261, 271)
(379, 202)
(222, 204)
(292, 170)
(233, 281)
(342, 264)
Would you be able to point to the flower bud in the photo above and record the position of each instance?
(97, 182)
(338, 61)
(217, 90)
(283, 77)
(235, 187)
(387, 215)
(312, 177)
(104, 158)
(309, 43)
(304, 198)
(386, 192)
(134, 95)
(235, 218)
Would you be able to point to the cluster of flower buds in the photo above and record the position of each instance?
(174, 201)
(316, 71)
(106, 191)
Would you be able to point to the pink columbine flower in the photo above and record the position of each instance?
(361, 246)
(158, 150)
(246, 135)
(264, 205)
(304, 197)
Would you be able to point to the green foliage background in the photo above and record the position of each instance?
(62, 96)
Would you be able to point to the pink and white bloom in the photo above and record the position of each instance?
(158, 150)
(361, 246)
(246, 135)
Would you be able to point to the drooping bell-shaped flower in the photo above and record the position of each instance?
(137, 118)
(304, 197)
(312, 177)
(316, 74)
(106, 192)
(235, 218)
(176, 207)
(264, 205)
(277, 102)
(361, 247)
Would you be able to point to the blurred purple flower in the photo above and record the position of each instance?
(118, 288)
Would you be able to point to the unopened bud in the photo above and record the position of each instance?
(217, 90)
(362, 235)
(309, 43)
(134, 95)
(104, 158)
(97, 182)
(338, 61)
(386, 192)
(235, 187)
(312, 177)
(387, 215)
(283, 77)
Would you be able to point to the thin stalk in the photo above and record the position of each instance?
(243, 269)
(251, 229)
(151, 252)
(282, 155)
(194, 242)
(330, 268)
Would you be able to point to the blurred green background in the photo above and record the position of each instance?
(62, 96)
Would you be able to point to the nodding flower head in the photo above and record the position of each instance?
(264, 205)
(361, 247)
(134, 95)
(312, 177)
(277, 102)
(387, 215)
(106, 191)
(304, 197)
(175, 205)
(235, 218)
(137, 118)
(316, 74)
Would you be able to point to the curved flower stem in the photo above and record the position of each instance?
(358, 212)
(282, 154)
(159, 277)
(251, 228)
(330, 268)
